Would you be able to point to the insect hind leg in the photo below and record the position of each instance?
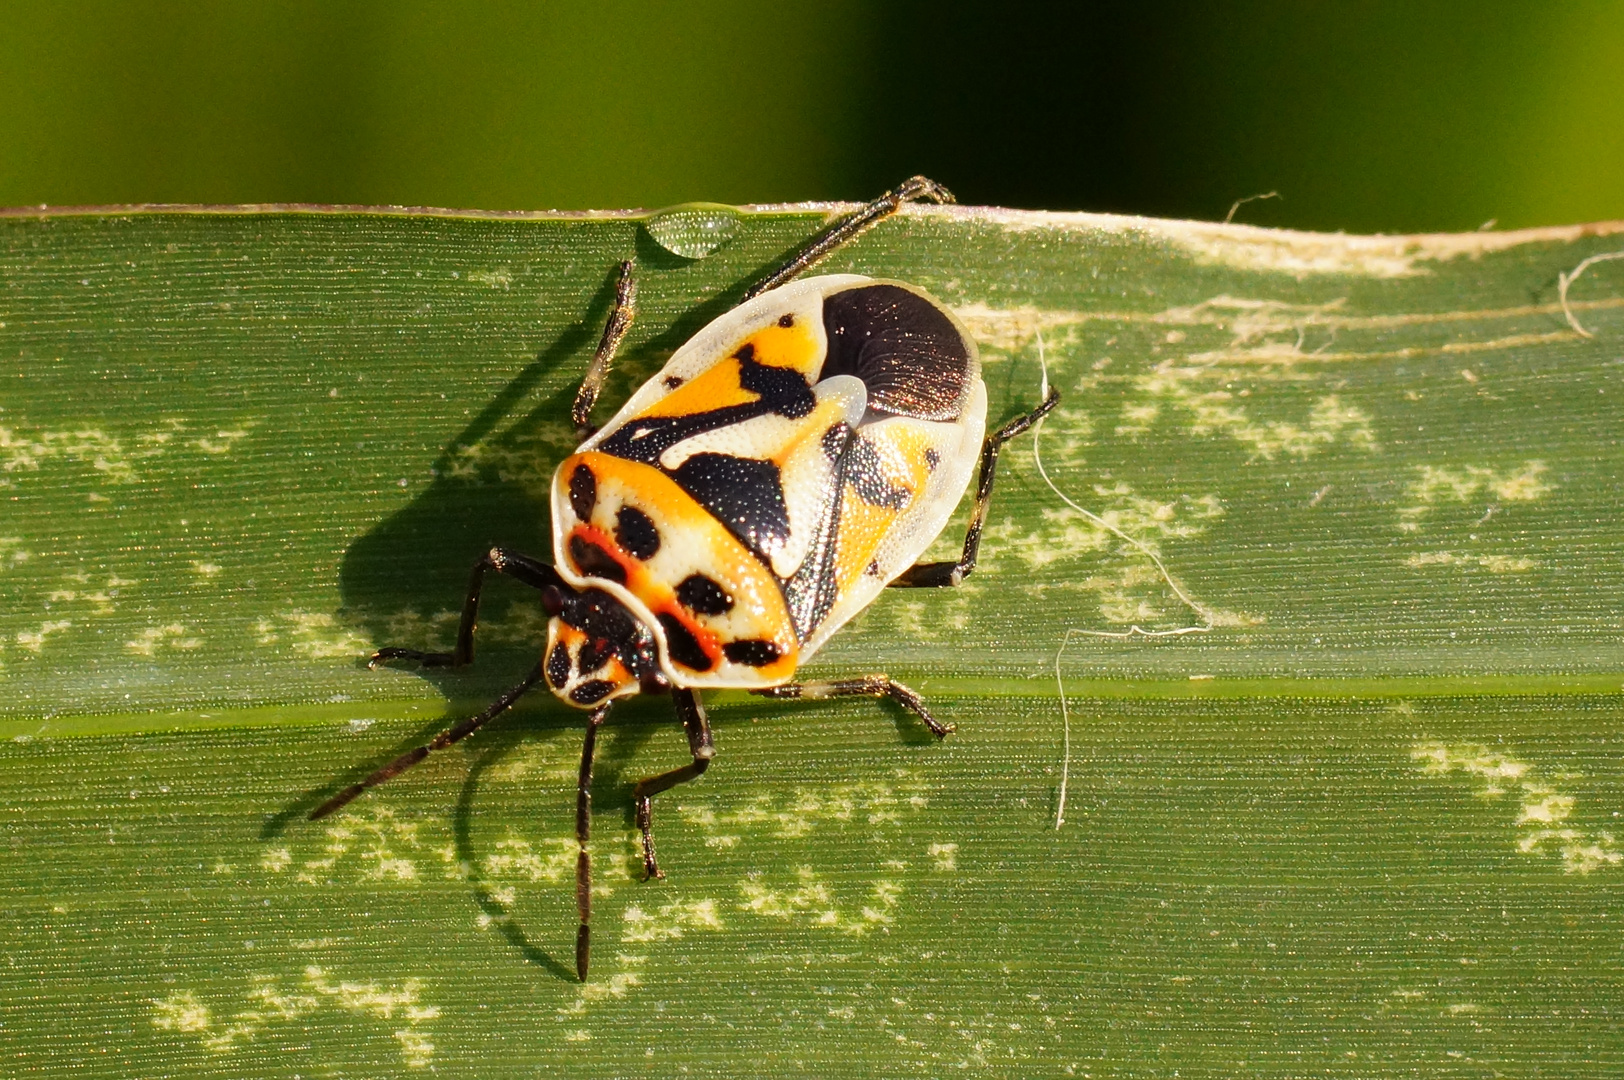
(876, 686)
(934, 575)
(913, 189)
(692, 712)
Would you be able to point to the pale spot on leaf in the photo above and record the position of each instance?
(669, 921)
(34, 640)
(1436, 484)
(181, 1012)
(169, 636)
(1496, 774)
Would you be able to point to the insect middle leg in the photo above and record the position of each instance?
(532, 572)
(944, 574)
(867, 686)
(913, 189)
(692, 713)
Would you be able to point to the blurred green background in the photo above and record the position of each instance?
(1365, 116)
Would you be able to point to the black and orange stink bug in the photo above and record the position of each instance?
(789, 462)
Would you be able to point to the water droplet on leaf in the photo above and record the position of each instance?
(693, 230)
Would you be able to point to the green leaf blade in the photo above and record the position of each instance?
(1361, 825)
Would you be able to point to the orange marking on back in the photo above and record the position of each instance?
(786, 347)
(863, 528)
(717, 388)
(900, 452)
(658, 492)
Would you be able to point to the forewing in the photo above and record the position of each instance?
(900, 480)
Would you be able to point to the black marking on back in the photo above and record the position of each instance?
(906, 350)
(744, 494)
(932, 458)
(865, 476)
(786, 321)
(593, 561)
(703, 596)
(682, 646)
(583, 492)
(754, 652)
(782, 390)
(636, 534)
(591, 692)
(558, 665)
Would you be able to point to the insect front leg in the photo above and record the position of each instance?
(532, 572)
(913, 189)
(620, 320)
(692, 712)
(451, 735)
(583, 832)
(867, 686)
(944, 574)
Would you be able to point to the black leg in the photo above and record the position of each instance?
(914, 189)
(439, 742)
(583, 832)
(620, 319)
(867, 686)
(940, 574)
(536, 574)
(692, 713)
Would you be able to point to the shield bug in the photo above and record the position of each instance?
(791, 460)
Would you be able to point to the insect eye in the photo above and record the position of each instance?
(552, 601)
